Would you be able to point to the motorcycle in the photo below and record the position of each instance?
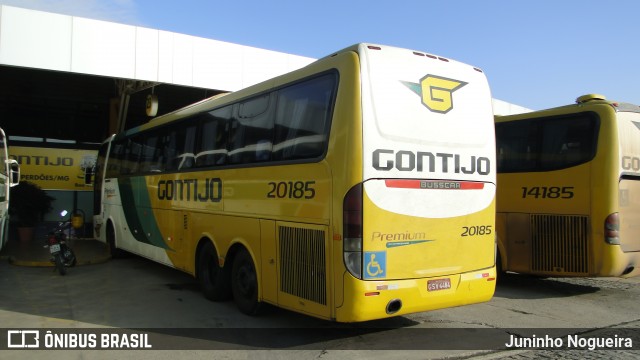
(61, 254)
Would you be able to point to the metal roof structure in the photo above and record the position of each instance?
(88, 76)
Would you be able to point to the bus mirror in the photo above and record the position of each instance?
(14, 168)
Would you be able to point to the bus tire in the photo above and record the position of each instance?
(111, 243)
(213, 279)
(244, 283)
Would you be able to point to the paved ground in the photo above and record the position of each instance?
(135, 293)
(33, 253)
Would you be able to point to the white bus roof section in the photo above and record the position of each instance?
(43, 40)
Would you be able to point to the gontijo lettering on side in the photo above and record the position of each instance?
(190, 190)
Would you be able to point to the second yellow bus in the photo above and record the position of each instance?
(568, 198)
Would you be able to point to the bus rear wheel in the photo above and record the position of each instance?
(244, 283)
(214, 281)
(111, 242)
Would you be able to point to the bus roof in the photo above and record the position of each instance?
(213, 101)
(581, 102)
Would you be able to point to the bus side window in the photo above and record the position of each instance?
(252, 131)
(213, 138)
(164, 152)
(131, 156)
(302, 118)
(149, 154)
(115, 159)
(183, 138)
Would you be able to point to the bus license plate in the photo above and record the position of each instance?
(438, 284)
(54, 248)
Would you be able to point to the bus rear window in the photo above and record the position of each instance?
(546, 144)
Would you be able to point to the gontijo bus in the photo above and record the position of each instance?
(9, 176)
(359, 187)
(569, 190)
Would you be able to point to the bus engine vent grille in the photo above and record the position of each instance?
(560, 244)
(303, 263)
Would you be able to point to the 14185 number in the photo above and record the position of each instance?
(552, 192)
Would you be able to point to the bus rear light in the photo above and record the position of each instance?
(612, 229)
(353, 263)
(352, 244)
(352, 213)
(352, 231)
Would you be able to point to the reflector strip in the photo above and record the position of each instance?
(434, 184)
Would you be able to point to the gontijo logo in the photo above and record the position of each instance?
(436, 92)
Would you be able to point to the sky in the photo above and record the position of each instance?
(537, 54)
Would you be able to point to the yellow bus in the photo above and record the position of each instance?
(9, 176)
(568, 200)
(359, 187)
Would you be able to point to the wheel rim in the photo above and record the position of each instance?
(246, 280)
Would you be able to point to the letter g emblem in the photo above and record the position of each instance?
(437, 92)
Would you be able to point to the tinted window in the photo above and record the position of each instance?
(149, 154)
(251, 133)
(289, 123)
(115, 158)
(178, 144)
(302, 118)
(546, 144)
(213, 137)
(132, 154)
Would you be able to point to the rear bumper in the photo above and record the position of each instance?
(369, 300)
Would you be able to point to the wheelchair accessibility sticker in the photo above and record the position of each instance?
(375, 264)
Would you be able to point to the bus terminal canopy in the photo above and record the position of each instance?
(78, 72)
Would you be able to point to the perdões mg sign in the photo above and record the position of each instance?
(53, 168)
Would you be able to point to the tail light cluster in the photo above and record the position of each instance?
(612, 229)
(352, 231)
